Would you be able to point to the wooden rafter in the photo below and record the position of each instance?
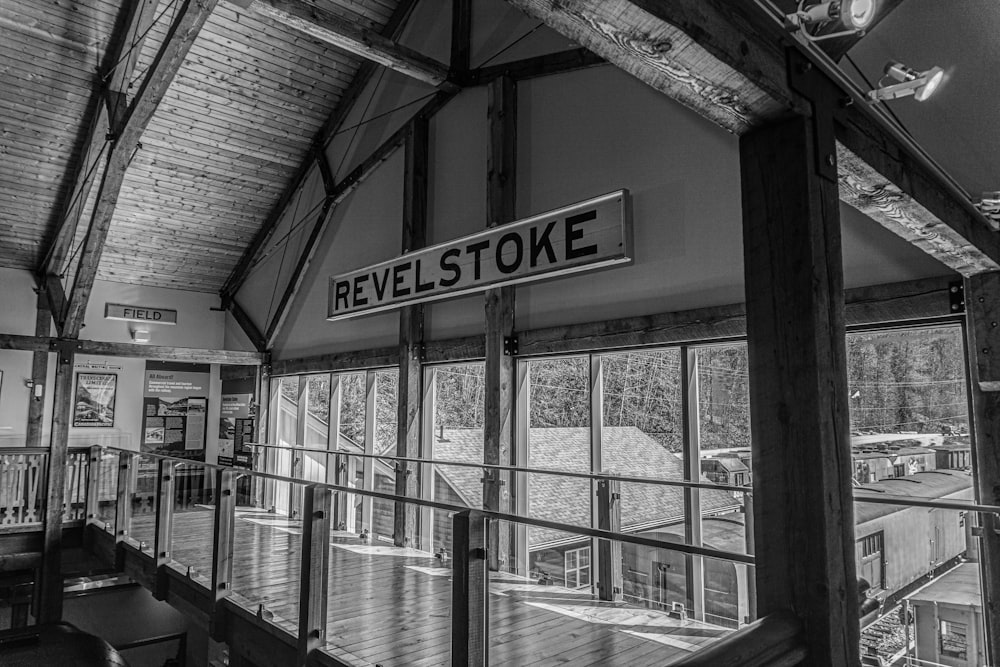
(110, 86)
(369, 44)
(158, 352)
(317, 153)
(727, 61)
(190, 17)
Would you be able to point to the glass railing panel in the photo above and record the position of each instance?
(107, 489)
(388, 605)
(142, 499)
(556, 615)
(193, 526)
(267, 548)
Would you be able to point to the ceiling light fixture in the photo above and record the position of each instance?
(908, 82)
(854, 15)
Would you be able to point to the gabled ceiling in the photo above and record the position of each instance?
(232, 130)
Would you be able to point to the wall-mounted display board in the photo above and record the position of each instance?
(582, 237)
(175, 409)
(94, 403)
(236, 421)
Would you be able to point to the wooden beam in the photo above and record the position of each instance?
(52, 286)
(728, 62)
(891, 184)
(470, 591)
(159, 352)
(461, 32)
(885, 305)
(798, 379)
(39, 374)
(536, 66)
(501, 191)
(369, 44)
(191, 16)
(50, 581)
(392, 30)
(112, 84)
(411, 338)
(983, 298)
(247, 325)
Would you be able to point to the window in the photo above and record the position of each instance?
(953, 641)
(577, 564)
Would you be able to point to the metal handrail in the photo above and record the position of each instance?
(500, 516)
(538, 471)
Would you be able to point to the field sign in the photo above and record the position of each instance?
(115, 311)
(581, 237)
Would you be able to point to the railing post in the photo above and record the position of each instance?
(609, 552)
(164, 522)
(340, 500)
(94, 484)
(222, 541)
(313, 584)
(123, 505)
(470, 591)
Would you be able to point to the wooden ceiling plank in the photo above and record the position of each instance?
(392, 30)
(190, 17)
(369, 44)
(118, 67)
(733, 60)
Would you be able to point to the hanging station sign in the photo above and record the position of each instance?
(585, 236)
(116, 311)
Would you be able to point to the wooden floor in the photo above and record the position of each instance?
(391, 606)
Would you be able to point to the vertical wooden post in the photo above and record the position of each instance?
(499, 372)
(470, 591)
(50, 589)
(225, 528)
(692, 473)
(313, 583)
(982, 298)
(609, 552)
(39, 374)
(798, 385)
(411, 337)
(461, 28)
(162, 539)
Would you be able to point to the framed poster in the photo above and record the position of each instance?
(95, 399)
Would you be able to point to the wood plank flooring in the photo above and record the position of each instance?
(392, 607)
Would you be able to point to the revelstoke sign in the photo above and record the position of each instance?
(584, 236)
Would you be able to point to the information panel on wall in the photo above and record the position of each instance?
(584, 236)
(236, 421)
(175, 409)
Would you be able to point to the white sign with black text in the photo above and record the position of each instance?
(584, 236)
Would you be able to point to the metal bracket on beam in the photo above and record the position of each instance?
(825, 98)
(956, 296)
(510, 346)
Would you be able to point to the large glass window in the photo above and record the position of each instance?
(457, 436)
(909, 438)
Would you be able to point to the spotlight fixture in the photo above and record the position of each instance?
(854, 15)
(140, 335)
(908, 82)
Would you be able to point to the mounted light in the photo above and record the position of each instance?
(909, 82)
(140, 335)
(854, 15)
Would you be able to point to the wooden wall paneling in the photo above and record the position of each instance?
(49, 598)
(190, 18)
(798, 387)
(501, 188)
(411, 338)
(982, 298)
